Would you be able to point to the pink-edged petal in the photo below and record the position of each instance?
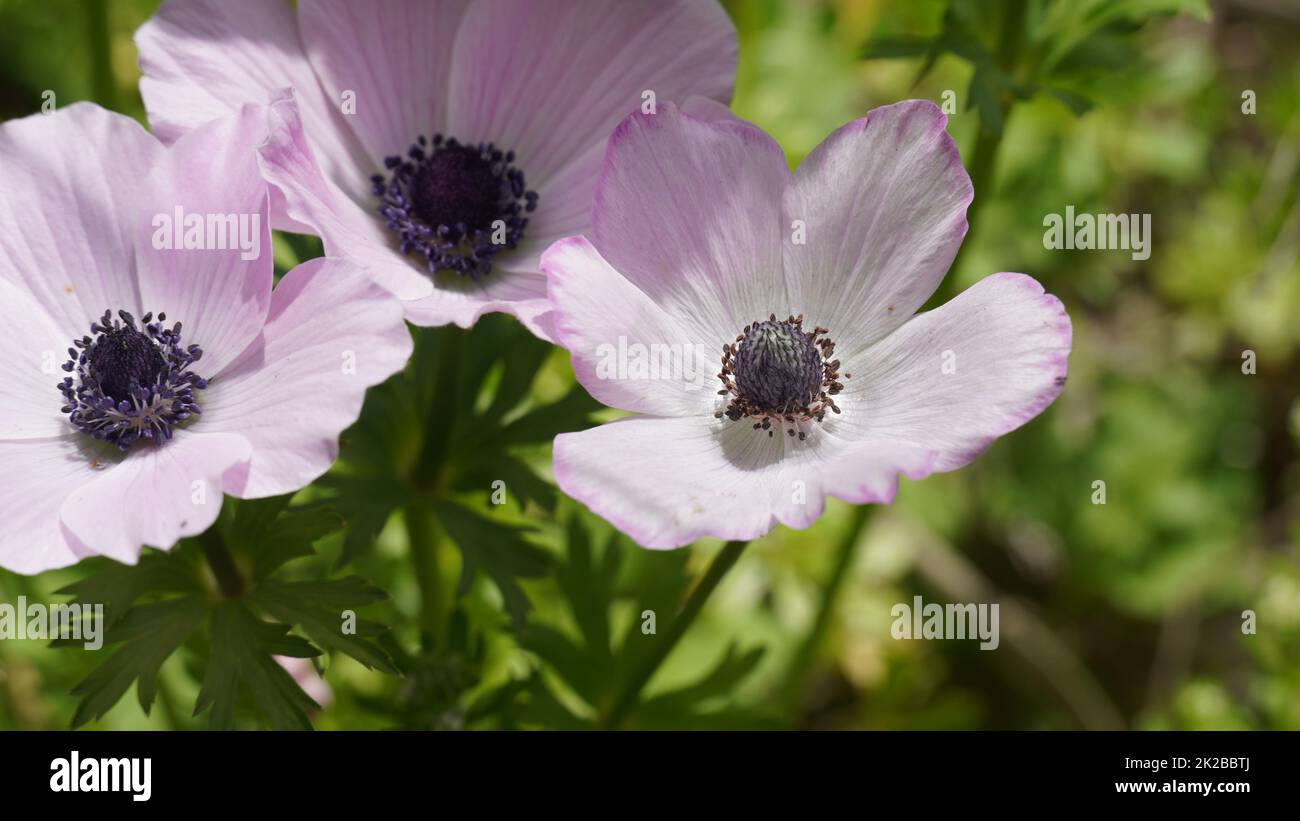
(568, 194)
(221, 290)
(68, 187)
(205, 59)
(627, 351)
(32, 349)
(689, 210)
(155, 496)
(669, 481)
(460, 301)
(954, 379)
(287, 162)
(549, 78)
(393, 55)
(331, 334)
(884, 203)
(39, 475)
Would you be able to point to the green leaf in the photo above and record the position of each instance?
(148, 634)
(318, 606)
(274, 534)
(496, 549)
(241, 653)
(118, 586)
(572, 412)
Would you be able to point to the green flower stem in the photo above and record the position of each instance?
(630, 694)
(422, 534)
(795, 677)
(427, 470)
(429, 481)
(229, 580)
(988, 142)
(99, 42)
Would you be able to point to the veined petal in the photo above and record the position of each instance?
(884, 203)
(954, 379)
(393, 56)
(287, 161)
(70, 182)
(205, 59)
(669, 481)
(40, 473)
(627, 351)
(549, 78)
(155, 496)
(689, 211)
(208, 187)
(331, 334)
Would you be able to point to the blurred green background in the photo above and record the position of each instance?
(1127, 614)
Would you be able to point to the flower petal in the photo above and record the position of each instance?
(68, 187)
(39, 475)
(954, 379)
(205, 59)
(208, 188)
(610, 328)
(32, 349)
(668, 482)
(287, 162)
(458, 300)
(331, 334)
(394, 56)
(690, 211)
(548, 78)
(884, 202)
(155, 496)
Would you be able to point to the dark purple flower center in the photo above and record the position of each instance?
(776, 373)
(455, 204)
(130, 383)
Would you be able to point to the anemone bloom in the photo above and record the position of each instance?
(148, 365)
(443, 144)
(804, 289)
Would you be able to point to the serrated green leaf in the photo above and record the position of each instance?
(241, 653)
(317, 606)
(572, 412)
(149, 634)
(496, 549)
(118, 586)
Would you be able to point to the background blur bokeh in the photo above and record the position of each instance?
(1123, 614)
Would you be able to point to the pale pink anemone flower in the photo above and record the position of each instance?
(764, 324)
(413, 128)
(121, 428)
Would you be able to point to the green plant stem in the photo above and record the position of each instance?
(795, 678)
(422, 534)
(631, 692)
(229, 580)
(438, 425)
(988, 142)
(103, 82)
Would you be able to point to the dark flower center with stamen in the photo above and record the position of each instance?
(125, 358)
(778, 374)
(456, 205)
(130, 382)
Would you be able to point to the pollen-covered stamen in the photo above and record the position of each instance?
(457, 205)
(130, 383)
(780, 376)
